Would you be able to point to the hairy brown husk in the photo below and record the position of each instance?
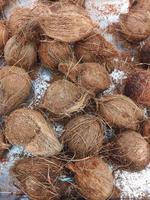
(29, 129)
(138, 87)
(3, 3)
(146, 130)
(15, 85)
(83, 135)
(144, 52)
(131, 151)
(93, 178)
(120, 111)
(63, 98)
(3, 34)
(91, 76)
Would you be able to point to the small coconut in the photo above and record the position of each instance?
(15, 85)
(93, 178)
(146, 130)
(63, 98)
(131, 151)
(20, 54)
(83, 135)
(138, 87)
(94, 48)
(135, 26)
(52, 52)
(91, 76)
(120, 111)
(29, 129)
(3, 34)
(144, 52)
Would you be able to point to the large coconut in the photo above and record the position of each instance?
(63, 98)
(131, 151)
(94, 48)
(83, 135)
(138, 87)
(29, 129)
(21, 54)
(15, 87)
(3, 34)
(93, 178)
(52, 52)
(91, 76)
(120, 111)
(146, 130)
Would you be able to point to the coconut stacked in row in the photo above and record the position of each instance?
(62, 37)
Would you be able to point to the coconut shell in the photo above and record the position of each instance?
(91, 76)
(135, 26)
(83, 135)
(15, 87)
(144, 52)
(29, 129)
(120, 111)
(146, 130)
(3, 34)
(138, 87)
(68, 25)
(93, 178)
(63, 98)
(53, 52)
(131, 151)
(21, 55)
(94, 48)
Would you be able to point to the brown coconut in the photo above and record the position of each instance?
(20, 54)
(63, 98)
(93, 178)
(52, 52)
(138, 87)
(29, 129)
(94, 48)
(91, 76)
(83, 135)
(3, 34)
(144, 52)
(135, 26)
(39, 178)
(146, 130)
(120, 111)
(131, 151)
(15, 85)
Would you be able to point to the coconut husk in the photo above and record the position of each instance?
(120, 111)
(91, 76)
(3, 144)
(76, 2)
(15, 87)
(20, 54)
(29, 129)
(3, 3)
(93, 178)
(39, 178)
(94, 48)
(67, 25)
(63, 98)
(83, 135)
(146, 130)
(131, 151)
(140, 5)
(138, 87)
(52, 52)
(135, 26)
(144, 52)
(3, 34)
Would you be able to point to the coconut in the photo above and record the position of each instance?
(146, 130)
(83, 135)
(91, 76)
(93, 178)
(52, 52)
(3, 34)
(120, 111)
(94, 48)
(138, 87)
(29, 129)
(63, 98)
(67, 25)
(135, 26)
(15, 87)
(20, 54)
(144, 52)
(131, 151)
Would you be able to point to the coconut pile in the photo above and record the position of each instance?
(74, 106)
